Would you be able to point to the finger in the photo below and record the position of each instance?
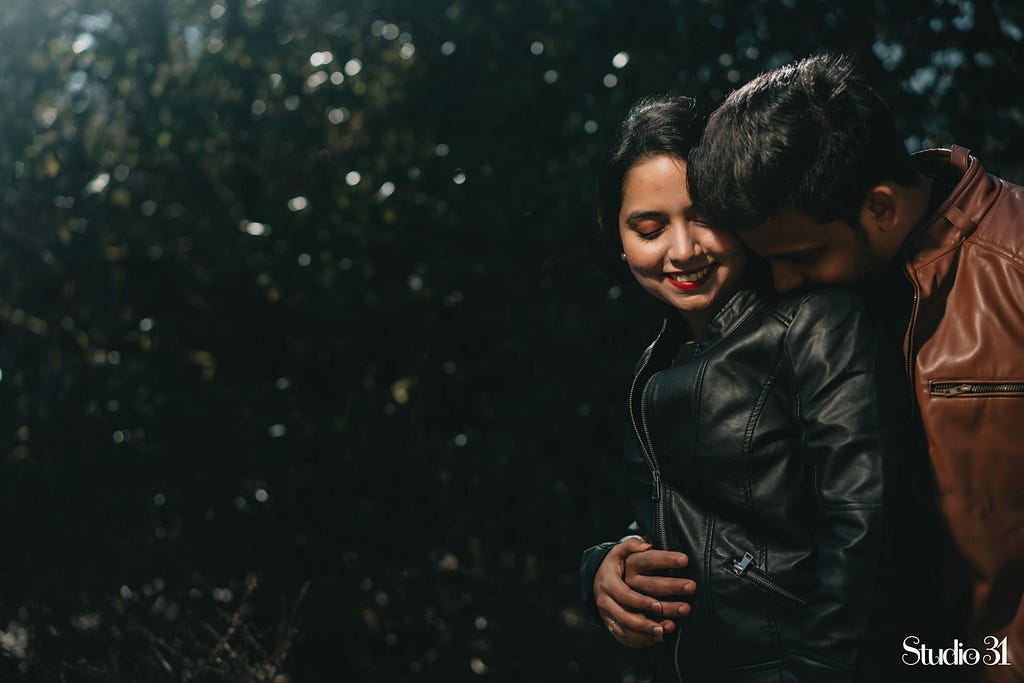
(623, 609)
(629, 611)
(660, 586)
(630, 546)
(611, 589)
(628, 619)
(635, 640)
(669, 609)
(632, 621)
(625, 631)
(617, 591)
(655, 560)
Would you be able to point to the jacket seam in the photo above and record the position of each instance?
(844, 507)
(798, 408)
(996, 249)
(695, 406)
(748, 436)
(728, 331)
(709, 594)
(773, 622)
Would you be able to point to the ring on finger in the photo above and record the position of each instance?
(611, 626)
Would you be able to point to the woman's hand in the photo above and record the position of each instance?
(627, 590)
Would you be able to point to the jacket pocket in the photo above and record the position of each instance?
(968, 388)
(744, 568)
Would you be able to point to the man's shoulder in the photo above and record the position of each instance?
(1000, 229)
(987, 210)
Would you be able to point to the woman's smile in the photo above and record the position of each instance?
(693, 279)
(673, 253)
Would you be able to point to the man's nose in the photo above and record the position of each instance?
(787, 278)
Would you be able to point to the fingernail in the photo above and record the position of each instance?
(690, 587)
(684, 609)
(658, 631)
(656, 607)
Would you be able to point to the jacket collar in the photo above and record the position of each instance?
(958, 215)
(728, 318)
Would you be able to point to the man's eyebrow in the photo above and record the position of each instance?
(794, 253)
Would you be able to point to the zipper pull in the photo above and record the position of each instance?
(740, 566)
(656, 486)
(951, 391)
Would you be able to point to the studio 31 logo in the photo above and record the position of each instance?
(994, 654)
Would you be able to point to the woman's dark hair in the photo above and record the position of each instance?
(654, 126)
(811, 136)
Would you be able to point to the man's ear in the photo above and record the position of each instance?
(878, 212)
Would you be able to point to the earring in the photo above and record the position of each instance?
(623, 256)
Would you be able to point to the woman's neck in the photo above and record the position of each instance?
(698, 321)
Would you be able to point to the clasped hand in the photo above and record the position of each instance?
(636, 602)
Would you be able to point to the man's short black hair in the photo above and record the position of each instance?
(665, 124)
(810, 136)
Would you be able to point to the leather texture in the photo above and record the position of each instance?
(965, 348)
(772, 438)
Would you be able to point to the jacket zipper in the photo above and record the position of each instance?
(656, 491)
(675, 655)
(661, 525)
(647, 451)
(743, 569)
(908, 340)
(954, 389)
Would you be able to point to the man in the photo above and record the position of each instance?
(805, 163)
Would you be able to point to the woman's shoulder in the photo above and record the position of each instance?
(827, 319)
(822, 303)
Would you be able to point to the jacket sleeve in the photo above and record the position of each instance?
(592, 559)
(853, 406)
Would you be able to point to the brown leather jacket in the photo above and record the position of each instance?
(965, 354)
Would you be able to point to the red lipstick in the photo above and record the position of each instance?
(687, 286)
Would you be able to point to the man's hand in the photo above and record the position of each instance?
(628, 593)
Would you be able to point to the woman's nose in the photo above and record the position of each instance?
(683, 246)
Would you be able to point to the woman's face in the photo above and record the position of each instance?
(671, 251)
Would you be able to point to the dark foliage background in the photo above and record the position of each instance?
(299, 291)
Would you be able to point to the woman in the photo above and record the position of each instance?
(761, 433)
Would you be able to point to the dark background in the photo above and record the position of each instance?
(272, 316)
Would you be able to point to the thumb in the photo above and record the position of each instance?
(635, 544)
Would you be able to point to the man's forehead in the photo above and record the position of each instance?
(789, 221)
(785, 232)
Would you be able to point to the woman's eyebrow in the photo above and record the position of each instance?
(641, 215)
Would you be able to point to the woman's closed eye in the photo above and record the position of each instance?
(647, 228)
(649, 235)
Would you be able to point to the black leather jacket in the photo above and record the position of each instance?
(763, 451)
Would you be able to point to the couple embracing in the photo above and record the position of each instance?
(823, 451)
